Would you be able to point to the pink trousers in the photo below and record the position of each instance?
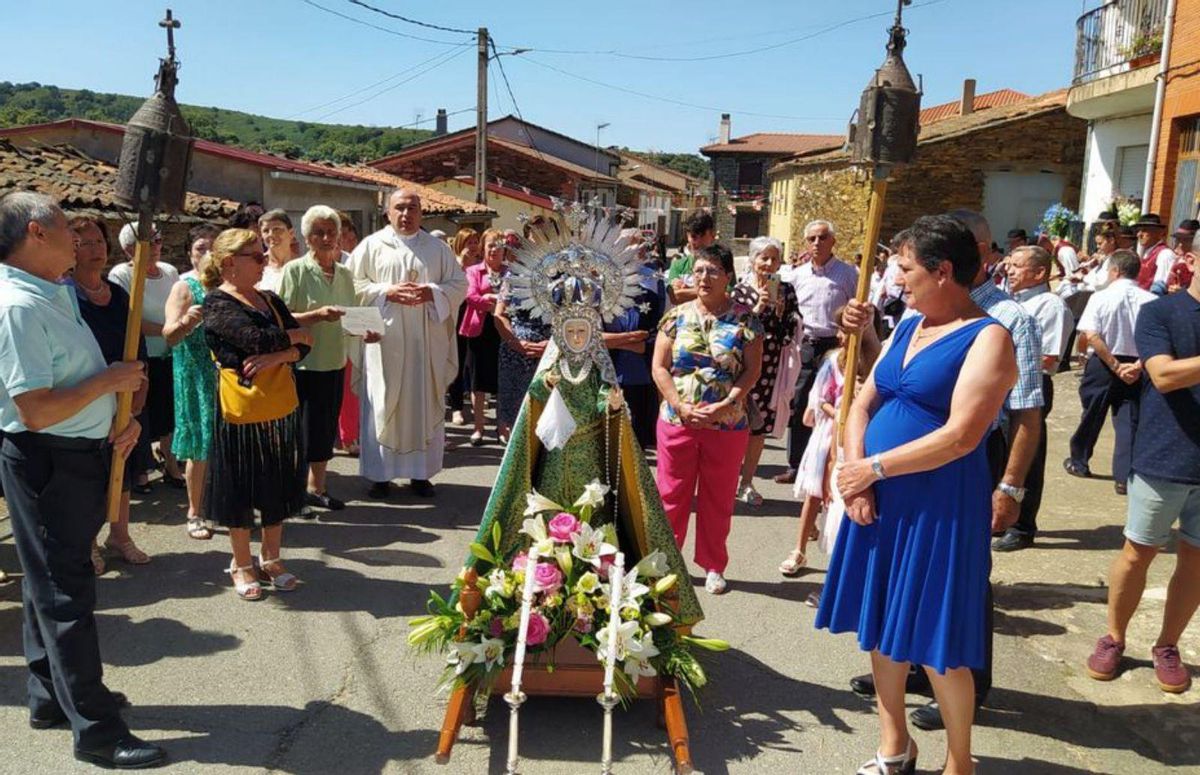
(348, 419)
(704, 464)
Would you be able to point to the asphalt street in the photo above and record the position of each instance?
(321, 680)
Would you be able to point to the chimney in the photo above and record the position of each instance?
(967, 106)
(440, 127)
(723, 132)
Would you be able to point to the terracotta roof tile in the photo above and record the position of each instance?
(432, 201)
(991, 99)
(80, 182)
(776, 142)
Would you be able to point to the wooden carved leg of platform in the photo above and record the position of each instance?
(677, 734)
(457, 712)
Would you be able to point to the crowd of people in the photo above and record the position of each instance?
(247, 382)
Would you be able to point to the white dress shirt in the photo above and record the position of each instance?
(820, 290)
(1052, 315)
(1112, 313)
(1097, 278)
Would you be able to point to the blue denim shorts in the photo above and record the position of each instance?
(1155, 505)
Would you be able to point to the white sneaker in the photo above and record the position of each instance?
(750, 496)
(715, 584)
(457, 418)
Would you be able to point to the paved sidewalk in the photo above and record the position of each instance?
(321, 680)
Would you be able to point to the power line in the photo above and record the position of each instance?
(356, 92)
(516, 107)
(388, 30)
(673, 101)
(443, 60)
(407, 20)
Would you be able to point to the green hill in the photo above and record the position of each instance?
(33, 103)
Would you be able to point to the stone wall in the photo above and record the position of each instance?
(725, 178)
(947, 174)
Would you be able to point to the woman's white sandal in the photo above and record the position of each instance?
(283, 581)
(246, 590)
(900, 764)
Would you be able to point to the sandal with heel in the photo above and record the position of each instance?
(281, 578)
(900, 764)
(795, 562)
(246, 590)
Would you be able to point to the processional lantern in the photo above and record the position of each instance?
(157, 151)
(156, 155)
(885, 135)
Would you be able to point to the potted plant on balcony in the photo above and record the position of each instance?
(1144, 49)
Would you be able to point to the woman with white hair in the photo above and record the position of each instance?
(160, 399)
(774, 302)
(315, 287)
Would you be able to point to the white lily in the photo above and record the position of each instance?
(489, 651)
(632, 591)
(535, 528)
(593, 494)
(653, 565)
(498, 584)
(587, 583)
(462, 655)
(658, 619)
(536, 503)
(638, 663)
(627, 641)
(589, 545)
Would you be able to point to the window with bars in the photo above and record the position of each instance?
(1186, 202)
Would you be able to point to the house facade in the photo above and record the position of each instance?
(1009, 162)
(1176, 184)
(1117, 51)
(510, 204)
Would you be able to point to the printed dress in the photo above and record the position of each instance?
(195, 390)
(779, 329)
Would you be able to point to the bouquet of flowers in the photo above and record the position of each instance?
(571, 600)
(1057, 220)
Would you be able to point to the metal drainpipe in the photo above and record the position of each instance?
(1159, 93)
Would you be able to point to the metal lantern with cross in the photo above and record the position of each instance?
(152, 177)
(884, 136)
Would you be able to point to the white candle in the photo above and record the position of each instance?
(523, 628)
(616, 577)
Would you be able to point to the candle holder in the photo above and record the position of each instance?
(514, 699)
(608, 700)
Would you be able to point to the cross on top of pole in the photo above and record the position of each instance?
(170, 23)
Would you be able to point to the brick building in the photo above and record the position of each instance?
(1176, 186)
(1009, 162)
(740, 184)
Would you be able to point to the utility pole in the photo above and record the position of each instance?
(481, 120)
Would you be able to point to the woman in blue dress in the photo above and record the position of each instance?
(909, 572)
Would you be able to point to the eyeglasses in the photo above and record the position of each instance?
(708, 271)
(258, 256)
(90, 243)
(817, 238)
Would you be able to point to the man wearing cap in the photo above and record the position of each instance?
(57, 400)
(1112, 376)
(1156, 257)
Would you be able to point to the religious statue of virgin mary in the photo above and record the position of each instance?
(573, 427)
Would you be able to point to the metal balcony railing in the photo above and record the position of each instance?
(1109, 37)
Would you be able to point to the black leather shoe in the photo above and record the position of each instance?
(929, 715)
(1012, 542)
(128, 753)
(323, 501)
(916, 683)
(422, 488)
(54, 718)
(379, 490)
(1076, 469)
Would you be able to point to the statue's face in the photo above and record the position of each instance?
(577, 334)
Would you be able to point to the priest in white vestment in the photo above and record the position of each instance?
(418, 286)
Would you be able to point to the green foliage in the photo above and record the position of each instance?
(688, 163)
(34, 103)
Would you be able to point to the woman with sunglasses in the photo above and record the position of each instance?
(257, 466)
(705, 363)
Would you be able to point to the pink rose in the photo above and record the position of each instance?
(563, 526)
(519, 562)
(496, 627)
(547, 578)
(538, 630)
(606, 562)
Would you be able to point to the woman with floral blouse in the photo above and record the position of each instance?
(705, 363)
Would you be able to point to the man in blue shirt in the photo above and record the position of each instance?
(57, 399)
(1164, 487)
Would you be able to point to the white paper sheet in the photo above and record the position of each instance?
(359, 320)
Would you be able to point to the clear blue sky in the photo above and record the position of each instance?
(288, 59)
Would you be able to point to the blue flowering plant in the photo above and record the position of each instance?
(1057, 220)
